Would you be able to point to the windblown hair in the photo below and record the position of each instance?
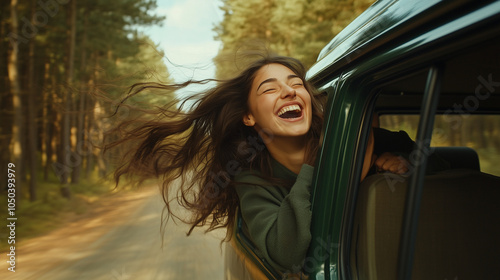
(206, 147)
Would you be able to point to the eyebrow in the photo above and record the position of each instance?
(270, 80)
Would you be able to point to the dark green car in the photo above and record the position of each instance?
(432, 69)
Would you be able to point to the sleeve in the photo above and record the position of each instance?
(279, 223)
(400, 143)
(390, 141)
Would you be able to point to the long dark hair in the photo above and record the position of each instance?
(206, 146)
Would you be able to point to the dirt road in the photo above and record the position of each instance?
(120, 239)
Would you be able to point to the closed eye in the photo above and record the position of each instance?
(297, 85)
(296, 82)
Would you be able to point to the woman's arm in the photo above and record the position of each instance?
(278, 221)
(369, 155)
(380, 153)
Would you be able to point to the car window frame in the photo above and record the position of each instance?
(412, 204)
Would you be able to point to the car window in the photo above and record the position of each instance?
(478, 132)
(458, 221)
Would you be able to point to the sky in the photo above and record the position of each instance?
(187, 37)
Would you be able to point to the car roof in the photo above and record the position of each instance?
(381, 24)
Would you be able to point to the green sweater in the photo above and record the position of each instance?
(278, 219)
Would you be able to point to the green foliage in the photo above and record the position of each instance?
(297, 28)
(110, 55)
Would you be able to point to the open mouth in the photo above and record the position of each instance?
(290, 112)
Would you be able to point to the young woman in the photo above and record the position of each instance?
(249, 143)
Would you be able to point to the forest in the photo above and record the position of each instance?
(65, 65)
(296, 28)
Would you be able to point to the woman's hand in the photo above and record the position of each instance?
(392, 163)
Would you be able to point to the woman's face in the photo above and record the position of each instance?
(279, 103)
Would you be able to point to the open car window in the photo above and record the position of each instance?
(465, 137)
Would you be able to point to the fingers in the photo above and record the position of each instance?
(392, 163)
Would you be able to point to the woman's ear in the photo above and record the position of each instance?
(248, 120)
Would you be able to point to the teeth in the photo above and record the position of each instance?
(288, 109)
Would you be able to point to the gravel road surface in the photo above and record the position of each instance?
(120, 239)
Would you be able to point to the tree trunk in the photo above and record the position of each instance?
(88, 130)
(66, 152)
(91, 104)
(15, 87)
(5, 94)
(32, 125)
(50, 117)
(98, 128)
(81, 148)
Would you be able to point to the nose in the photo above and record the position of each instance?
(288, 92)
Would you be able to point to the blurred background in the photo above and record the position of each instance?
(65, 65)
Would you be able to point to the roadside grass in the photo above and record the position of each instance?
(51, 210)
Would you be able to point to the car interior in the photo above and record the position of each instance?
(459, 221)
